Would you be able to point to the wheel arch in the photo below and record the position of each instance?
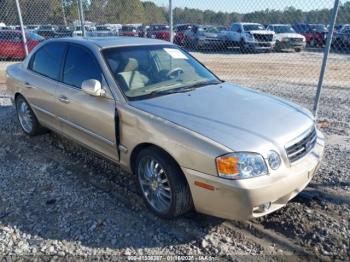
(142, 146)
(17, 94)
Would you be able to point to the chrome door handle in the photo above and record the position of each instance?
(64, 99)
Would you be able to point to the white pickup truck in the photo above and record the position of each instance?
(250, 37)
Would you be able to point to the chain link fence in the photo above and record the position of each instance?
(276, 47)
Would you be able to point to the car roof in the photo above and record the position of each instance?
(244, 23)
(110, 42)
(279, 24)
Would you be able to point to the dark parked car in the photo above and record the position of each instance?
(12, 45)
(315, 34)
(203, 36)
(341, 40)
(54, 31)
(157, 31)
(132, 30)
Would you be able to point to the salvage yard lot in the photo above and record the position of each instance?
(58, 198)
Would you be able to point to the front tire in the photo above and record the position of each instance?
(27, 119)
(163, 185)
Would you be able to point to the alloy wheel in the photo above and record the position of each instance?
(155, 184)
(25, 115)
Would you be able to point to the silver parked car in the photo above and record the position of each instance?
(191, 139)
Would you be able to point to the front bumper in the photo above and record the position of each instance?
(241, 199)
(286, 45)
(210, 43)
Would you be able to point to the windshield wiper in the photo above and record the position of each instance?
(171, 91)
(184, 89)
(202, 84)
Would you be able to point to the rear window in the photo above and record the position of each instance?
(47, 60)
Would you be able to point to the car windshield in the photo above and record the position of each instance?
(146, 71)
(208, 29)
(160, 27)
(36, 37)
(128, 28)
(279, 29)
(319, 28)
(102, 28)
(252, 27)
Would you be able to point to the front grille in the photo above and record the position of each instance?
(302, 147)
(296, 40)
(263, 37)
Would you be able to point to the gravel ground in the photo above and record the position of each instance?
(59, 199)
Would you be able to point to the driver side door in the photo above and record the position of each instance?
(90, 120)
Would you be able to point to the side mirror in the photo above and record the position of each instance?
(93, 87)
(239, 31)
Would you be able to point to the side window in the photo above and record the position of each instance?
(47, 60)
(80, 65)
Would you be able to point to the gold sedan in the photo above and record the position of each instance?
(192, 140)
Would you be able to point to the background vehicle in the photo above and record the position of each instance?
(159, 31)
(102, 31)
(77, 32)
(340, 27)
(180, 33)
(287, 38)
(341, 40)
(315, 34)
(54, 31)
(129, 30)
(203, 36)
(12, 45)
(250, 37)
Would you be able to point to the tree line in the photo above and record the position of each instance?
(136, 11)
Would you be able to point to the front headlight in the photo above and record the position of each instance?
(241, 166)
(285, 39)
(250, 37)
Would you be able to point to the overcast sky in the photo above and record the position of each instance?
(244, 6)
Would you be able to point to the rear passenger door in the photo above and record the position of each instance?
(40, 88)
(87, 119)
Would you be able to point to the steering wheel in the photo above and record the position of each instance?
(177, 70)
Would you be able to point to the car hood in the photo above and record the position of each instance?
(289, 35)
(239, 118)
(262, 32)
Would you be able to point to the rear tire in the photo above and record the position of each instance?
(27, 119)
(163, 185)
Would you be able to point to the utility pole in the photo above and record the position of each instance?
(24, 39)
(171, 18)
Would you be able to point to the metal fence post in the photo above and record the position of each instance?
(64, 13)
(24, 39)
(171, 18)
(81, 16)
(325, 56)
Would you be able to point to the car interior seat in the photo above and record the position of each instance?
(129, 77)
